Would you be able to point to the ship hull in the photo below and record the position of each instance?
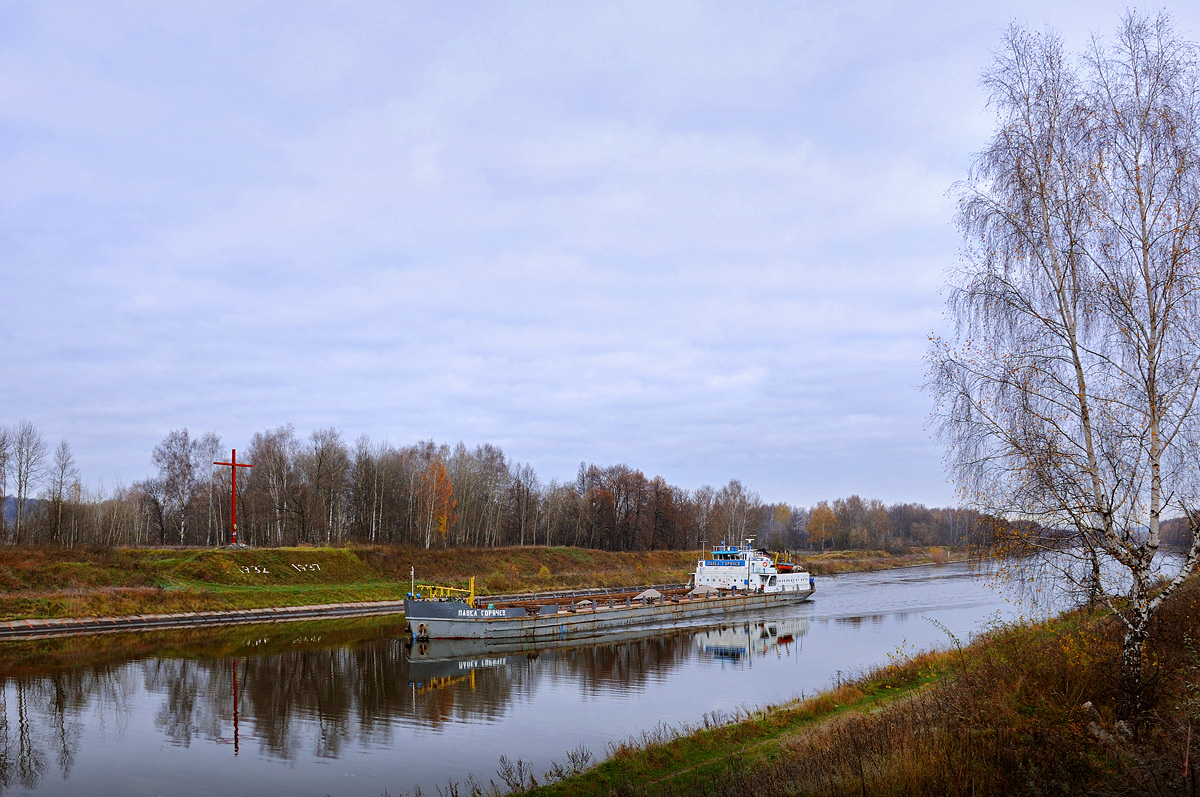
(454, 620)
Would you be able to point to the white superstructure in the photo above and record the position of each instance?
(746, 569)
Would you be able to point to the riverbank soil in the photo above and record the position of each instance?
(86, 582)
(1022, 710)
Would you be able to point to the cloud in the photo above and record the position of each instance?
(704, 241)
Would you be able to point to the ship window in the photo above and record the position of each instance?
(772, 582)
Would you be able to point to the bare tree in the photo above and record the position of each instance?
(208, 447)
(273, 481)
(325, 464)
(29, 462)
(178, 458)
(5, 457)
(1068, 393)
(63, 475)
(735, 504)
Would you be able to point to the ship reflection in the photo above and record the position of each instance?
(750, 639)
(444, 663)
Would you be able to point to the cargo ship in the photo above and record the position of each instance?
(733, 578)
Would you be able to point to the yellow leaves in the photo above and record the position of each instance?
(439, 492)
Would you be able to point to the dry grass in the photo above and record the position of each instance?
(830, 562)
(41, 582)
(51, 582)
(1023, 710)
(504, 570)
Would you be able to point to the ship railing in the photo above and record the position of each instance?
(577, 594)
(453, 593)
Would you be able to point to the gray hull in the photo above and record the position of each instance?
(452, 620)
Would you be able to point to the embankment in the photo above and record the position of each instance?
(55, 583)
(52, 583)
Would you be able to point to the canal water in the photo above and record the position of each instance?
(344, 708)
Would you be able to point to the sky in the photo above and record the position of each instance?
(705, 240)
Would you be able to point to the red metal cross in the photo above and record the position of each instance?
(234, 465)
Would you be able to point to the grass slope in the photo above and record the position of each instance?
(1022, 710)
(36, 582)
(47, 582)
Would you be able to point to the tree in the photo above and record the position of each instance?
(1067, 394)
(821, 524)
(272, 481)
(63, 475)
(325, 464)
(5, 457)
(851, 518)
(524, 501)
(179, 460)
(439, 502)
(208, 448)
(735, 504)
(29, 462)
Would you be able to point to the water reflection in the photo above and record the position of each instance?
(42, 720)
(750, 639)
(322, 702)
(278, 709)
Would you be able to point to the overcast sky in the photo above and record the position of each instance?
(704, 240)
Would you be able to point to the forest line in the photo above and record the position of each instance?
(321, 490)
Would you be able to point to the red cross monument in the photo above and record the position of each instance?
(234, 465)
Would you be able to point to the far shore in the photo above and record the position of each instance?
(55, 583)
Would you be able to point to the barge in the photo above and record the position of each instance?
(734, 578)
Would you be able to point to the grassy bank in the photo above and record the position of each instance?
(830, 562)
(1022, 710)
(40, 582)
(91, 583)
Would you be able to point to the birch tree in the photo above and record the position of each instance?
(63, 476)
(179, 460)
(1067, 394)
(5, 452)
(208, 448)
(29, 463)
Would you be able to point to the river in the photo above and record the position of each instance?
(343, 708)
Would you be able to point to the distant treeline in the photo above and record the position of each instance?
(321, 490)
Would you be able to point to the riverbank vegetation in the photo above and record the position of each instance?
(92, 582)
(319, 490)
(831, 562)
(1023, 709)
(1066, 393)
(97, 582)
